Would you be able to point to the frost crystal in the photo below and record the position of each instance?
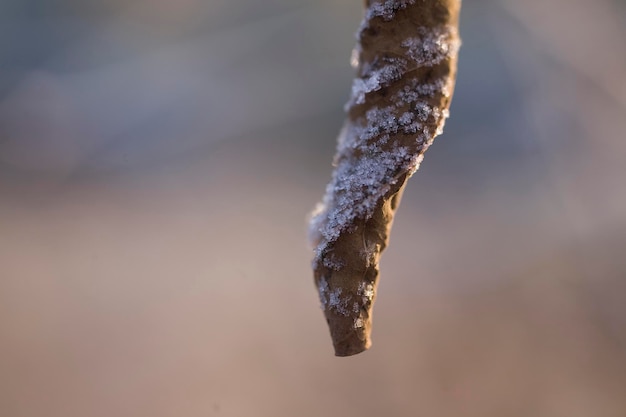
(366, 165)
(338, 303)
(374, 80)
(405, 61)
(357, 186)
(323, 292)
(366, 291)
(359, 183)
(431, 46)
(387, 9)
(332, 262)
(413, 91)
(334, 300)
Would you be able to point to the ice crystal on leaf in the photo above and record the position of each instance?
(405, 60)
(366, 168)
(387, 9)
(378, 145)
(366, 291)
(431, 46)
(374, 80)
(428, 48)
(323, 289)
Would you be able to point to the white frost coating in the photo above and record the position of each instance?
(332, 262)
(387, 9)
(444, 116)
(406, 118)
(338, 303)
(344, 305)
(334, 301)
(323, 289)
(432, 45)
(374, 81)
(359, 183)
(414, 91)
(366, 291)
(355, 190)
(366, 167)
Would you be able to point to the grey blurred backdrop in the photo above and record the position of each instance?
(157, 162)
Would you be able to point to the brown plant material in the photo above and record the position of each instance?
(406, 68)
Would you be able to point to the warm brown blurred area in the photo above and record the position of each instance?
(158, 159)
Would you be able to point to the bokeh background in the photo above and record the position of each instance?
(158, 159)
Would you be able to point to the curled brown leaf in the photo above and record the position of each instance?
(406, 68)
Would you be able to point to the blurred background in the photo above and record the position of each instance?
(158, 159)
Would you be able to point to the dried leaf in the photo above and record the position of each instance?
(406, 68)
